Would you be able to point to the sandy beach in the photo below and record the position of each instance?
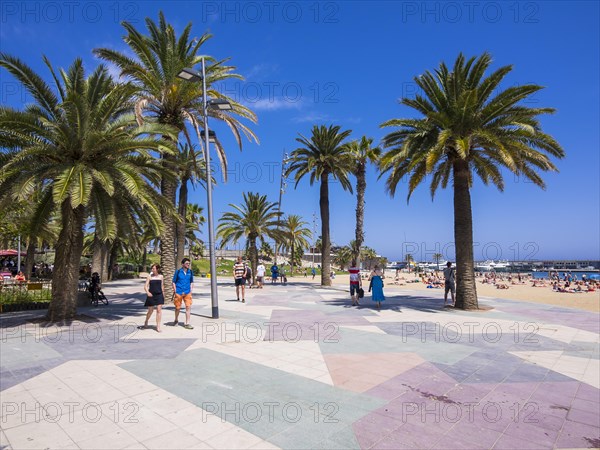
(588, 301)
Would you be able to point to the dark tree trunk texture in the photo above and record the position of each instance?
(65, 276)
(325, 239)
(30, 258)
(361, 186)
(466, 290)
(167, 240)
(182, 210)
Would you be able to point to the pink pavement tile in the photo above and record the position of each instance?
(346, 369)
(387, 391)
(564, 388)
(544, 437)
(507, 442)
(447, 443)
(372, 428)
(586, 405)
(472, 432)
(541, 420)
(588, 392)
(577, 435)
(584, 417)
(411, 436)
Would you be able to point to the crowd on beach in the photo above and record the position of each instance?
(566, 283)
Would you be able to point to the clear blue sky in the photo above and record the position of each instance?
(347, 63)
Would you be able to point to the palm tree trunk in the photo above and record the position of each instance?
(167, 240)
(65, 276)
(361, 186)
(326, 244)
(30, 258)
(182, 210)
(97, 256)
(113, 254)
(253, 258)
(292, 262)
(466, 291)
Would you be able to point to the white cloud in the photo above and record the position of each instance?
(275, 104)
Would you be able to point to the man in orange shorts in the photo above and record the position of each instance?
(183, 282)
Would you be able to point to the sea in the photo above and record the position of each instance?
(561, 274)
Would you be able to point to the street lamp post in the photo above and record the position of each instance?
(192, 75)
(282, 186)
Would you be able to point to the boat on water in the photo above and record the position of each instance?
(490, 264)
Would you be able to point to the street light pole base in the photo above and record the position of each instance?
(215, 312)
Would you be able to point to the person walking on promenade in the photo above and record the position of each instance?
(449, 282)
(239, 276)
(260, 275)
(355, 282)
(313, 272)
(183, 283)
(274, 273)
(376, 285)
(155, 299)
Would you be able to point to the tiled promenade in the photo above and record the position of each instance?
(297, 367)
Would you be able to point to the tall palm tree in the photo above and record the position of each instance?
(255, 219)
(466, 129)
(161, 95)
(194, 220)
(191, 167)
(363, 153)
(80, 144)
(323, 155)
(296, 236)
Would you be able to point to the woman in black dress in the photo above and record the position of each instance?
(155, 298)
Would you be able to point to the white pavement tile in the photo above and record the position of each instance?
(4, 445)
(176, 439)
(36, 435)
(233, 439)
(209, 426)
(114, 440)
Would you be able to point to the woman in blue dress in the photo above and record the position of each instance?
(155, 298)
(376, 285)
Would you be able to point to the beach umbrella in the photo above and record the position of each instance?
(11, 252)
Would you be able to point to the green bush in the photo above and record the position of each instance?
(8, 296)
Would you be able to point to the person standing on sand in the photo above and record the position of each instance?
(449, 282)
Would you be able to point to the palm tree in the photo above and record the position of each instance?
(81, 145)
(191, 167)
(344, 256)
(194, 220)
(255, 219)
(466, 130)
(363, 153)
(296, 236)
(161, 95)
(436, 258)
(322, 156)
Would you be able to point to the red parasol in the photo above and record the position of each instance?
(11, 252)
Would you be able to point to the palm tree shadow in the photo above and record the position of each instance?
(396, 303)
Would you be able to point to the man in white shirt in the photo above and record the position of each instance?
(260, 275)
(449, 282)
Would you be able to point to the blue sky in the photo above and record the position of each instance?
(347, 63)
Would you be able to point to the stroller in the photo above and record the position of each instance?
(95, 292)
